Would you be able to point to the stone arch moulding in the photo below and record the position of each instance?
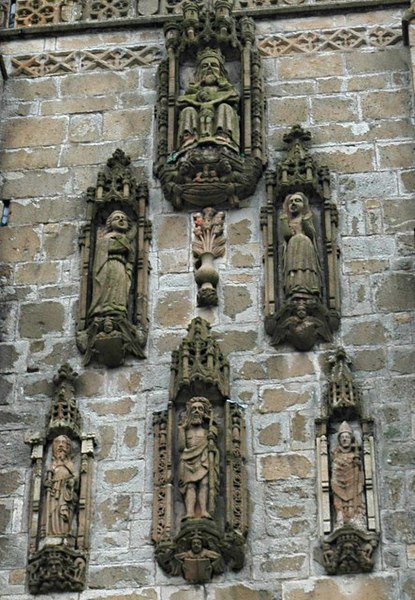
(60, 497)
(210, 108)
(115, 242)
(200, 512)
(299, 226)
(346, 475)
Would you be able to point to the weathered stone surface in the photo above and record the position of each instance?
(240, 232)
(118, 476)
(5, 516)
(117, 577)
(396, 292)
(106, 436)
(284, 367)
(278, 399)
(18, 244)
(90, 384)
(173, 232)
(252, 370)
(37, 320)
(237, 341)
(298, 424)
(344, 588)
(270, 435)
(115, 511)
(239, 592)
(120, 407)
(29, 273)
(284, 466)
(174, 309)
(292, 564)
(237, 299)
(9, 483)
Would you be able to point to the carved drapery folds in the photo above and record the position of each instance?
(200, 496)
(209, 243)
(60, 496)
(347, 499)
(299, 225)
(210, 108)
(115, 266)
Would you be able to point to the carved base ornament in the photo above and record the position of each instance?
(348, 508)
(209, 244)
(299, 225)
(60, 503)
(200, 496)
(114, 275)
(210, 127)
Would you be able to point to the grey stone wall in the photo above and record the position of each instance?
(347, 79)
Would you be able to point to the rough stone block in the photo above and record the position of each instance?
(237, 592)
(122, 124)
(173, 232)
(35, 184)
(60, 240)
(396, 156)
(396, 292)
(29, 158)
(311, 66)
(278, 399)
(118, 577)
(67, 106)
(285, 367)
(237, 299)
(368, 587)
(18, 244)
(284, 466)
(37, 319)
(287, 110)
(385, 104)
(333, 108)
(40, 273)
(85, 128)
(173, 309)
(35, 131)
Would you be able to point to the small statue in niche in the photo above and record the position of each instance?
(208, 109)
(301, 265)
(113, 264)
(347, 479)
(61, 486)
(199, 459)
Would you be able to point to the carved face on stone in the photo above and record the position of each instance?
(118, 221)
(61, 447)
(196, 545)
(296, 204)
(197, 412)
(210, 70)
(345, 440)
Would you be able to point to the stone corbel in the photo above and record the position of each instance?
(115, 242)
(200, 510)
(60, 497)
(299, 229)
(347, 491)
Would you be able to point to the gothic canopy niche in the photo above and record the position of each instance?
(346, 474)
(114, 267)
(299, 225)
(210, 109)
(200, 497)
(60, 504)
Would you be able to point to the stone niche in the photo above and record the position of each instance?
(210, 108)
(299, 226)
(112, 320)
(346, 472)
(200, 493)
(60, 498)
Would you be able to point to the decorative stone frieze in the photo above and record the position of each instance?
(347, 496)
(210, 108)
(114, 267)
(200, 497)
(60, 503)
(299, 225)
(209, 244)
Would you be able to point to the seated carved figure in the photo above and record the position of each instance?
(208, 109)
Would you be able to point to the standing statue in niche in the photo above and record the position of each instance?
(208, 109)
(347, 479)
(199, 459)
(112, 269)
(301, 265)
(61, 484)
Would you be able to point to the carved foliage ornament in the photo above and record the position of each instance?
(209, 244)
(200, 495)
(60, 496)
(348, 508)
(115, 267)
(299, 225)
(210, 108)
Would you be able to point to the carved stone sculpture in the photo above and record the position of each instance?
(209, 244)
(299, 223)
(200, 496)
(60, 496)
(210, 128)
(348, 513)
(115, 244)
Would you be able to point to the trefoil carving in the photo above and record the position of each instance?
(347, 496)
(114, 267)
(60, 501)
(299, 225)
(200, 495)
(209, 244)
(210, 109)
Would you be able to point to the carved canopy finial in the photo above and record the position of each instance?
(64, 413)
(343, 392)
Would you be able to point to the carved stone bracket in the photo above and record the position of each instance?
(60, 504)
(347, 497)
(299, 225)
(200, 512)
(209, 244)
(115, 267)
(210, 109)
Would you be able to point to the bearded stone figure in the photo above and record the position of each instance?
(208, 109)
(61, 489)
(199, 459)
(112, 268)
(301, 265)
(347, 479)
